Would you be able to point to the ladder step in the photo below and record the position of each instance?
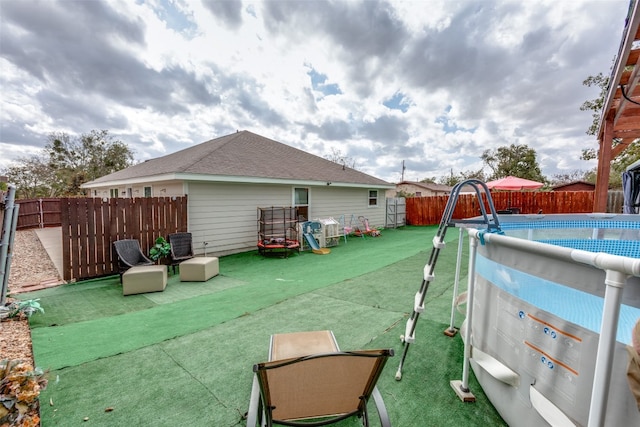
(417, 307)
(409, 337)
(428, 275)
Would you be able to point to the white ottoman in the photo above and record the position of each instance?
(147, 278)
(199, 269)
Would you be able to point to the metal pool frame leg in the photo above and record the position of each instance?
(615, 282)
(451, 331)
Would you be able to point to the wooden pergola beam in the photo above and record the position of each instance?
(604, 167)
(620, 116)
(618, 149)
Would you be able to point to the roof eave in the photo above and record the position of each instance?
(229, 179)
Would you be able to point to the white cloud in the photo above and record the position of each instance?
(165, 74)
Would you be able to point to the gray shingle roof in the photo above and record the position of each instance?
(245, 154)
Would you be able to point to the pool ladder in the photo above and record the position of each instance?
(491, 223)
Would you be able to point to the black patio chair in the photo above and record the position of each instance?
(181, 248)
(129, 255)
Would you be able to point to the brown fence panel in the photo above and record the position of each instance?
(38, 213)
(615, 200)
(29, 214)
(91, 225)
(428, 210)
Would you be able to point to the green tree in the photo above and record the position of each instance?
(84, 158)
(431, 180)
(67, 162)
(628, 156)
(32, 177)
(575, 175)
(620, 163)
(449, 180)
(595, 105)
(405, 194)
(452, 179)
(513, 160)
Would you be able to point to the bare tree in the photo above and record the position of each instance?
(336, 156)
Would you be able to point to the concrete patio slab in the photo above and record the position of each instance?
(51, 239)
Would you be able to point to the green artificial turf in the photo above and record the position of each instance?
(185, 358)
(265, 281)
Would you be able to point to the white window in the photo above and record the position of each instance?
(301, 202)
(147, 191)
(114, 192)
(373, 198)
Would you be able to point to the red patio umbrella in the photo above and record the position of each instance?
(513, 183)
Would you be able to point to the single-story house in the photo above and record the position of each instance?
(575, 186)
(419, 189)
(228, 178)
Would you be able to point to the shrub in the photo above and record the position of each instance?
(25, 308)
(161, 249)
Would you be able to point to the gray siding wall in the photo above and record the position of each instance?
(225, 215)
(336, 201)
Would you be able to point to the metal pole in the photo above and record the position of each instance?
(456, 282)
(41, 213)
(8, 229)
(473, 244)
(615, 282)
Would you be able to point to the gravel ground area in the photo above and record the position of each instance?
(15, 340)
(30, 266)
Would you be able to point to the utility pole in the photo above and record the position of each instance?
(403, 168)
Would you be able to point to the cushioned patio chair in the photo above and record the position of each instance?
(129, 255)
(317, 389)
(181, 248)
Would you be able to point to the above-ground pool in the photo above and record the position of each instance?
(554, 302)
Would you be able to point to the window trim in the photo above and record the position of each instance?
(370, 199)
(296, 205)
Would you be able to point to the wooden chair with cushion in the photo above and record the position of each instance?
(296, 388)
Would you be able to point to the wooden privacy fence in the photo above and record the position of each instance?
(38, 213)
(91, 225)
(428, 210)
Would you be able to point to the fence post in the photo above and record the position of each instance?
(40, 213)
(8, 231)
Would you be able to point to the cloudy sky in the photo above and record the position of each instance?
(431, 83)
